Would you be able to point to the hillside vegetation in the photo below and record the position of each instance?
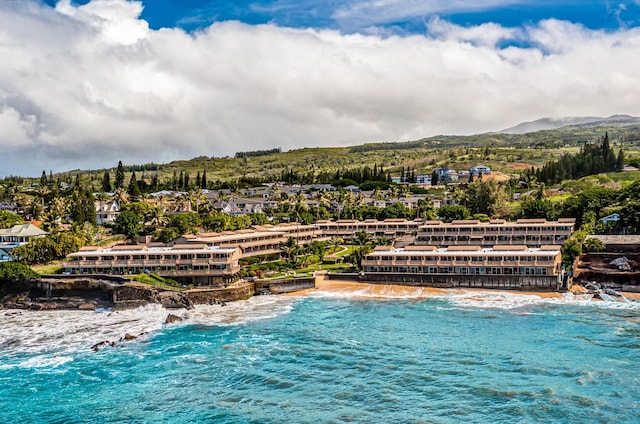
(503, 152)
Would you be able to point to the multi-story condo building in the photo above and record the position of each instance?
(200, 258)
(348, 228)
(260, 240)
(192, 263)
(467, 266)
(528, 232)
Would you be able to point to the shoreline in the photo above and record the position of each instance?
(367, 290)
(385, 291)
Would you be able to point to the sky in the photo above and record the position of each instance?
(84, 84)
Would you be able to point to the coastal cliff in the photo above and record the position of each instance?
(90, 293)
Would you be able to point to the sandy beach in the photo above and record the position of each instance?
(369, 290)
(390, 291)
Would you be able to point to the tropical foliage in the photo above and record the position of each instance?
(15, 271)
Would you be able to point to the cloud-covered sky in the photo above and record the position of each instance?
(84, 84)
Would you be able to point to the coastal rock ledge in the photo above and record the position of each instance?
(90, 293)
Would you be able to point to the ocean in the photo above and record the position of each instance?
(328, 358)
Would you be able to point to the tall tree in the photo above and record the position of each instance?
(119, 181)
(483, 196)
(203, 181)
(133, 189)
(106, 182)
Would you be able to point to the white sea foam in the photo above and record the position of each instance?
(239, 312)
(34, 332)
(510, 300)
(54, 335)
(492, 300)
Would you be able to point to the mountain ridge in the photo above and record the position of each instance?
(568, 121)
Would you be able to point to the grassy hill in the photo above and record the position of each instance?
(507, 153)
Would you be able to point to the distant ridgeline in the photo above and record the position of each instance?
(240, 155)
(593, 158)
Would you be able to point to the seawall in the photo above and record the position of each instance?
(515, 282)
(285, 285)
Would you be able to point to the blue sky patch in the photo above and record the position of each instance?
(395, 16)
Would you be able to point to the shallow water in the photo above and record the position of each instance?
(328, 358)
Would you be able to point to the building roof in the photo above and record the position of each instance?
(151, 250)
(616, 239)
(23, 230)
(496, 250)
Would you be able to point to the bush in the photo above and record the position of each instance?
(16, 271)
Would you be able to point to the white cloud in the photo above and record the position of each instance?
(370, 12)
(76, 91)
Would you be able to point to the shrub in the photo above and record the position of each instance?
(16, 271)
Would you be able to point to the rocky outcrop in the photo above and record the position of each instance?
(111, 343)
(92, 293)
(177, 300)
(172, 319)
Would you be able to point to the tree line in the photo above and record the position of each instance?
(593, 158)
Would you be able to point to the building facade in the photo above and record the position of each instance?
(467, 266)
(191, 263)
(527, 232)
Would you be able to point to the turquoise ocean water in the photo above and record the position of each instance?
(328, 359)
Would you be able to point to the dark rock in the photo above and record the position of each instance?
(172, 319)
(174, 300)
(96, 347)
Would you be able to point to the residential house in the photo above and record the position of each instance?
(106, 212)
(446, 175)
(479, 170)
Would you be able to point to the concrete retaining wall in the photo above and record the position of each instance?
(540, 283)
(285, 286)
(238, 291)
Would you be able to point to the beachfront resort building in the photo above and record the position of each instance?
(417, 236)
(527, 232)
(259, 240)
(192, 263)
(495, 267)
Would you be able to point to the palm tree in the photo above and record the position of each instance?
(158, 218)
(58, 206)
(121, 196)
(42, 191)
(359, 200)
(393, 192)
(275, 192)
(197, 197)
(163, 202)
(405, 192)
(323, 200)
(300, 203)
(377, 194)
(363, 238)
(182, 200)
(102, 196)
(51, 221)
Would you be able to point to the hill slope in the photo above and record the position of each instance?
(580, 121)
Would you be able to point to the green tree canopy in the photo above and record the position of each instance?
(450, 213)
(16, 271)
(9, 219)
(129, 224)
(483, 196)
